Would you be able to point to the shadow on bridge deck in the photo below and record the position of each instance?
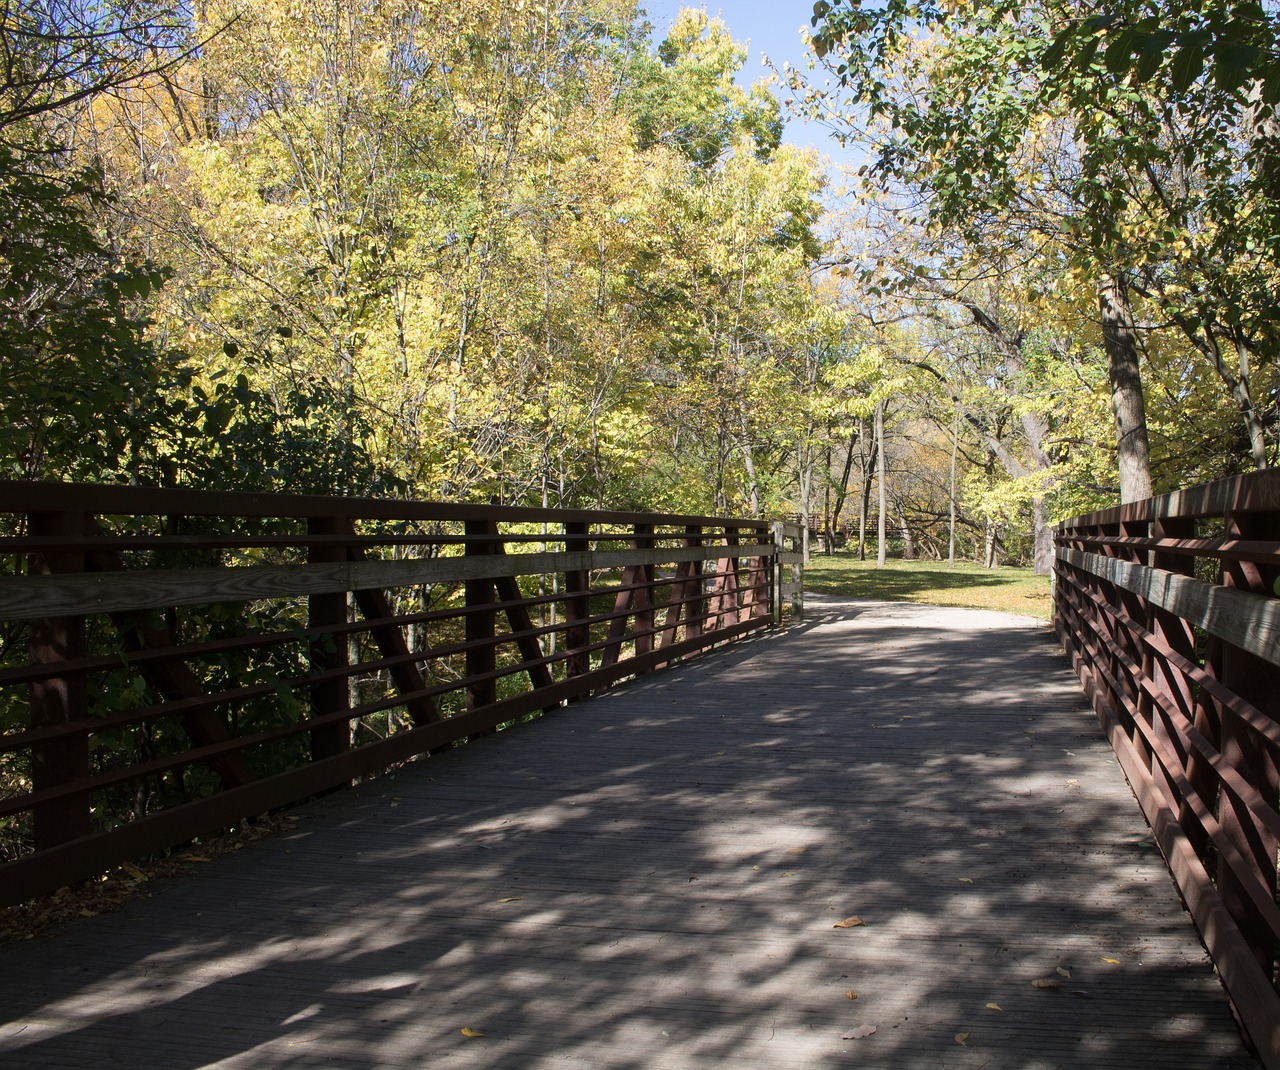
(651, 879)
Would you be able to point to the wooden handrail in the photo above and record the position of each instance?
(1169, 610)
(191, 659)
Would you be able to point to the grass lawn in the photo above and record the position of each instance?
(1012, 590)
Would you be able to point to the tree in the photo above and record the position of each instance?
(685, 96)
(82, 389)
(956, 105)
(57, 54)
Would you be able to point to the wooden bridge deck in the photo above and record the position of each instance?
(650, 880)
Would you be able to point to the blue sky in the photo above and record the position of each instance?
(773, 29)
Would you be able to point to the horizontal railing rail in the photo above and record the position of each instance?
(1169, 610)
(173, 662)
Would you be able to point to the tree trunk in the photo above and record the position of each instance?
(804, 460)
(868, 473)
(908, 540)
(753, 480)
(828, 528)
(1252, 421)
(1204, 336)
(955, 448)
(842, 492)
(1043, 539)
(880, 526)
(1120, 340)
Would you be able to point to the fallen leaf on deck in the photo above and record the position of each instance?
(965, 880)
(1063, 973)
(88, 913)
(859, 1033)
(1046, 982)
(995, 1007)
(755, 867)
(194, 858)
(851, 994)
(1114, 962)
(467, 1031)
(849, 923)
(962, 1039)
(133, 871)
(788, 874)
(511, 899)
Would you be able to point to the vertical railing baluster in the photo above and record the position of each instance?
(642, 599)
(775, 572)
(328, 648)
(481, 618)
(693, 597)
(61, 701)
(577, 603)
(760, 577)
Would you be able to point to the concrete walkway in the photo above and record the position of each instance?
(651, 880)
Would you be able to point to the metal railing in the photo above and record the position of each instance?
(1168, 609)
(173, 662)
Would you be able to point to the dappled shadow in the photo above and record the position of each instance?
(651, 880)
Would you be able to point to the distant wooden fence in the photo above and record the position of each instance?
(1168, 608)
(172, 662)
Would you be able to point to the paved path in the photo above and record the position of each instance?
(650, 881)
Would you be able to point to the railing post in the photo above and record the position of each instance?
(482, 687)
(693, 597)
(328, 648)
(775, 573)
(797, 577)
(577, 603)
(642, 597)
(58, 701)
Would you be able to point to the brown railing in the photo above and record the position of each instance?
(1168, 608)
(173, 662)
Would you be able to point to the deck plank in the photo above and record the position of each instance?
(648, 881)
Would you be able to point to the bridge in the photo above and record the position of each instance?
(876, 834)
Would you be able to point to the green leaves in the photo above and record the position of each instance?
(1187, 64)
(1236, 43)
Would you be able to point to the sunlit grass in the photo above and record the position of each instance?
(1011, 590)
